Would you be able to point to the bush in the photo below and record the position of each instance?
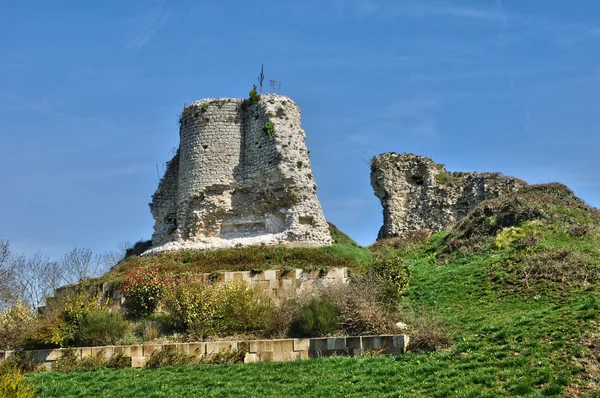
(60, 321)
(391, 273)
(362, 311)
(269, 129)
(219, 309)
(13, 384)
(317, 318)
(70, 362)
(14, 323)
(253, 97)
(162, 358)
(427, 332)
(101, 328)
(142, 288)
(21, 360)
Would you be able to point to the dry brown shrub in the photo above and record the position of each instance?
(427, 331)
(362, 311)
(409, 241)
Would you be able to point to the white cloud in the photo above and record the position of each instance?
(153, 23)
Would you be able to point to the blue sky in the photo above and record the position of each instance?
(90, 92)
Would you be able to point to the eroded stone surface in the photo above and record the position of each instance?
(233, 183)
(418, 193)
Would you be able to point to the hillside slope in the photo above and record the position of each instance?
(516, 284)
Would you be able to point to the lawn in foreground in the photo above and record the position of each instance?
(505, 346)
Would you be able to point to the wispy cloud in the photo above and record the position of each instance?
(451, 10)
(153, 23)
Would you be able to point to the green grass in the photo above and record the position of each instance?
(344, 252)
(505, 346)
(520, 308)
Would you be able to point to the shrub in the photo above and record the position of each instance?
(14, 323)
(59, 323)
(269, 129)
(317, 318)
(70, 362)
(362, 311)
(253, 97)
(162, 358)
(217, 309)
(13, 384)
(391, 273)
(142, 288)
(100, 328)
(204, 108)
(427, 331)
(21, 360)
(408, 242)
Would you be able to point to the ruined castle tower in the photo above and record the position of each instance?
(418, 193)
(241, 176)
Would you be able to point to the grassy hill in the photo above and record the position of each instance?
(344, 252)
(515, 283)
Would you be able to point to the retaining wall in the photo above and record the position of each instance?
(255, 350)
(278, 283)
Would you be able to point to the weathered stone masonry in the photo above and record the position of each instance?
(418, 193)
(232, 183)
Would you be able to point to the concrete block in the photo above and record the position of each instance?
(270, 275)
(336, 343)
(228, 276)
(122, 349)
(301, 344)
(197, 349)
(371, 342)
(218, 346)
(274, 284)
(261, 346)
(317, 346)
(149, 349)
(183, 348)
(265, 356)
(86, 352)
(353, 344)
(137, 350)
(169, 348)
(250, 357)
(138, 362)
(282, 349)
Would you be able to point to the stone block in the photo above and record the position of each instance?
(250, 357)
(138, 362)
(354, 344)
(336, 343)
(287, 284)
(136, 350)
(228, 276)
(274, 284)
(183, 348)
(317, 347)
(197, 349)
(261, 346)
(301, 344)
(218, 346)
(371, 342)
(265, 356)
(283, 349)
(169, 348)
(86, 352)
(149, 349)
(122, 349)
(270, 275)
(41, 356)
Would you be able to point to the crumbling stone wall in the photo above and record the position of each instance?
(233, 182)
(418, 193)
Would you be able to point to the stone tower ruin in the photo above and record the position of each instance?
(241, 176)
(418, 193)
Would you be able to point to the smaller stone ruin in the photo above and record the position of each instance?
(241, 177)
(418, 193)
